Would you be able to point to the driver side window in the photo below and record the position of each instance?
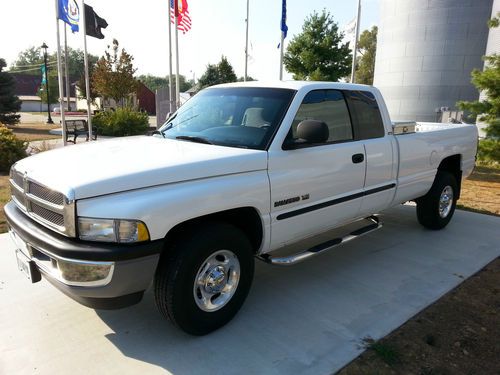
(328, 106)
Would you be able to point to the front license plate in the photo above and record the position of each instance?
(27, 267)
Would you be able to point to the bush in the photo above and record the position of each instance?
(489, 151)
(122, 122)
(11, 148)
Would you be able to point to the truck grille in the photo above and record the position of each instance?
(46, 194)
(45, 214)
(46, 206)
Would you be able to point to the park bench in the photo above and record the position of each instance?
(74, 128)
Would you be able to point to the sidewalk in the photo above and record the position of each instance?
(307, 319)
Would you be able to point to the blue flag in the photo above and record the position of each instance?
(69, 12)
(284, 27)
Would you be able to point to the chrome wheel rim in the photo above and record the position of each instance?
(216, 280)
(445, 201)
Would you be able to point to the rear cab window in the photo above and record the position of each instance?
(365, 114)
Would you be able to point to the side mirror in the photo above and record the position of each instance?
(309, 131)
(313, 131)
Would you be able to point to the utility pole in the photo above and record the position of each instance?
(44, 47)
(246, 43)
(355, 50)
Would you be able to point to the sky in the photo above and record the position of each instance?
(141, 27)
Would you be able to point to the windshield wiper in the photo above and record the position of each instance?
(193, 138)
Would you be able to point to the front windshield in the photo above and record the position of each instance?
(230, 116)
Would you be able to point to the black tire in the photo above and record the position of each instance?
(175, 276)
(428, 212)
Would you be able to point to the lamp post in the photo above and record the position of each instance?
(44, 47)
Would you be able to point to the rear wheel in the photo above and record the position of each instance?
(203, 280)
(436, 208)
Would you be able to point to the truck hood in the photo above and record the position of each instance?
(120, 164)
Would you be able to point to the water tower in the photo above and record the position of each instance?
(425, 53)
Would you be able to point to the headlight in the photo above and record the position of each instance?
(112, 230)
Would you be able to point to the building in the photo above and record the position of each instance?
(27, 87)
(144, 100)
(426, 51)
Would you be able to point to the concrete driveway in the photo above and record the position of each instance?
(306, 319)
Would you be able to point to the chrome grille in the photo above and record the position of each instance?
(18, 179)
(48, 215)
(46, 206)
(19, 196)
(45, 194)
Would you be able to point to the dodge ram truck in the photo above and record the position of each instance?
(240, 172)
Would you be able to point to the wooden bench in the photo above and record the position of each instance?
(74, 128)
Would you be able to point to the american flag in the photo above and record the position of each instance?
(182, 13)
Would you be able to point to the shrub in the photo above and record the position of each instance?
(489, 151)
(122, 122)
(11, 148)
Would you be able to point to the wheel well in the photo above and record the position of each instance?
(452, 164)
(247, 219)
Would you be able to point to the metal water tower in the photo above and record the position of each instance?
(426, 51)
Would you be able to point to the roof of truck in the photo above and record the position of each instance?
(297, 85)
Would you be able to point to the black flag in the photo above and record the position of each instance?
(94, 23)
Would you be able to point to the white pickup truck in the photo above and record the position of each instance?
(241, 171)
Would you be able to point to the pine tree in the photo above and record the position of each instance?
(223, 72)
(9, 103)
(317, 53)
(488, 109)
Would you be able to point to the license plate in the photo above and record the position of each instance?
(24, 264)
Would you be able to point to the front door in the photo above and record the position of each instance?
(318, 186)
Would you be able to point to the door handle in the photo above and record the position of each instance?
(358, 158)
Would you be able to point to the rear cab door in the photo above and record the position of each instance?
(379, 147)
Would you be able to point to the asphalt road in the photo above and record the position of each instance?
(307, 319)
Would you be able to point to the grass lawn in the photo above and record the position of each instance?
(34, 131)
(4, 198)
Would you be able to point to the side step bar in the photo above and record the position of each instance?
(325, 246)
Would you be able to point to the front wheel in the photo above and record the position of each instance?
(436, 208)
(204, 277)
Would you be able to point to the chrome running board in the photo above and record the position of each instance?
(323, 247)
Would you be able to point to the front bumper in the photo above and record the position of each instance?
(133, 264)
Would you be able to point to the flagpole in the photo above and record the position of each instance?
(170, 77)
(86, 65)
(177, 92)
(66, 69)
(59, 76)
(281, 55)
(246, 42)
(355, 51)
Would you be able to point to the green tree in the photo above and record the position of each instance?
(367, 48)
(76, 62)
(53, 88)
(488, 109)
(113, 76)
(9, 103)
(154, 82)
(222, 72)
(249, 78)
(30, 60)
(318, 53)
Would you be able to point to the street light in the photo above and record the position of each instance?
(44, 47)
